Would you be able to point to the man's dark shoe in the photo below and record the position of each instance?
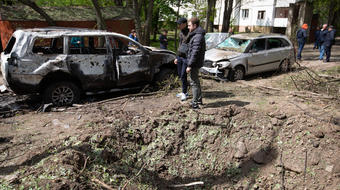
(195, 106)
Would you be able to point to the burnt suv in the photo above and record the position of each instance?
(63, 63)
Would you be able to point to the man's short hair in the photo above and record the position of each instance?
(195, 21)
(331, 26)
(133, 31)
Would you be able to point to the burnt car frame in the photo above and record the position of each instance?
(251, 53)
(63, 63)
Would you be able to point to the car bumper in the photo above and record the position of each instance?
(214, 71)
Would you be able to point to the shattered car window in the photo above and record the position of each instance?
(87, 45)
(213, 39)
(234, 44)
(48, 46)
(123, 46)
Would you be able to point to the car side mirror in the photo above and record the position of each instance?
(14, 55)
(12, 60)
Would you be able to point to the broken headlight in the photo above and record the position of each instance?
(223, 64)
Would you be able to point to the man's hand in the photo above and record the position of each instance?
(175, 61)
(188, 69)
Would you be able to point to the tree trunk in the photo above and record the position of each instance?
(100, 20)
(177, 17)
(119, 2)
(138, 25)
(227, 14)
(42, 13)
(155, 23)
(148, 22)
(331, 12)
(211, 23)
(209, 12)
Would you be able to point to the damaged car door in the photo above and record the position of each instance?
(132, 61)
(91, 61)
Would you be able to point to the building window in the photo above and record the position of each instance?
(245, 13)
(281, 12)
(260, 14)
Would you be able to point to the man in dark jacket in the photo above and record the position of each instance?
(329, 41)
(301, 36)
(181, 59)
(323, 34)
(195, 58)
(317, 38)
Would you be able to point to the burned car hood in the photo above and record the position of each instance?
(154, 49)
(218, 54)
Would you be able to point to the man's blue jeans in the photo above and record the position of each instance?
(301, 45)
(322, 52)
(182, 73)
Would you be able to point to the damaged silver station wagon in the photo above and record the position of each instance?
(251, 53)
(63, 63)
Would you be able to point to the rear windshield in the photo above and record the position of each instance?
(10, 45)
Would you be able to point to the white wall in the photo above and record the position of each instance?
(254, 6)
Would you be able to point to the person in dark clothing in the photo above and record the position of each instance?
(195, 58)
(317, 38)
(329, 42)
(180, 60)
(323, 34)
(301, 36)
(163, 40)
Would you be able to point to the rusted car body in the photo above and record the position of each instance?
(61, 63)
(245, 54)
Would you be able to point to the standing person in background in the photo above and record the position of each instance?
(323, 34)
(329, 42)
(133, 35)
(301, 36)
(195, 58)
(317, 38)
(181, 57)
(163, 40)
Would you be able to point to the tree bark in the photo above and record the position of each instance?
(227, 14)
(148, 22)
(42, 13)
(100, 20)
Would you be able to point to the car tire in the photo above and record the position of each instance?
(284, 66)
(237, 74)
(62, 93)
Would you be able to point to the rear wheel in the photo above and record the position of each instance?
(62, 93)
(237, 73)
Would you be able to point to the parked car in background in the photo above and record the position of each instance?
(249, 53)
(63, 63)
(213, 39)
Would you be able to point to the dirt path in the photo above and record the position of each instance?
(261, 133)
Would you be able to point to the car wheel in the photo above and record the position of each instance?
(62, 93)
(285, 66)
(237, 74)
